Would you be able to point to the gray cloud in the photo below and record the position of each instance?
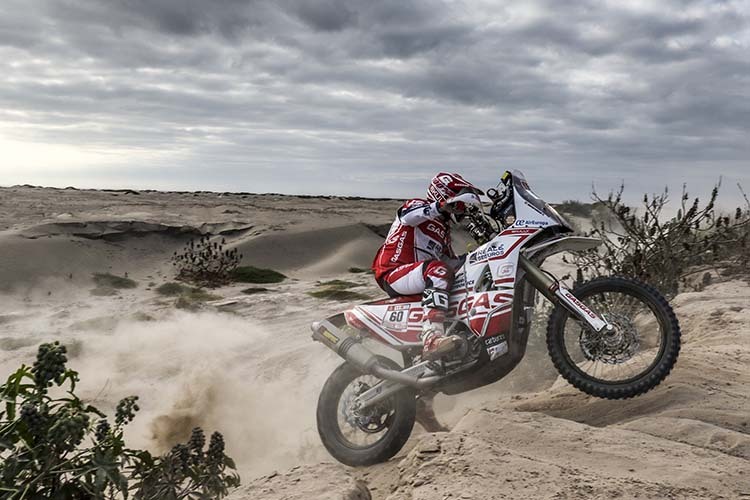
(364, 97)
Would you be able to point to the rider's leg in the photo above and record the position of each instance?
(404, 280)
(435, 299)
(433, 279)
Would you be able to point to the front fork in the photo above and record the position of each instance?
(558, 294)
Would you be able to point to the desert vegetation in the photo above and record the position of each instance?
(668, 252)
(337, 290)
(204, 262)
(109, 284)
(250, 274)
(358, 270)
(62, 447)
(187, 297)
(208, 263)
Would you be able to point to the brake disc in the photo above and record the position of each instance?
(370, 420)
(614, 346)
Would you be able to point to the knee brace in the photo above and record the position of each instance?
(438, 275)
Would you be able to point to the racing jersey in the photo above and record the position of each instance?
(420, 232)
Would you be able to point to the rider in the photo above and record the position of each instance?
(417, 257)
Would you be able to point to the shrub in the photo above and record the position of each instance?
(338, 284)
(206, 263)
(107, 280)
(337, 290)
(170, 289)
(663, 251)
(250, 274)
(337, 294)
(65, 448)
(359, 270)
(575, 207)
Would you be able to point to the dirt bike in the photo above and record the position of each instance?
(612, 337)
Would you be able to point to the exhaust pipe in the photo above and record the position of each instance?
(351, 349)
(345, 345)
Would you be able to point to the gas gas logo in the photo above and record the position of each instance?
(580, 304)
(481, 303)
(440, 231)
(399, 247)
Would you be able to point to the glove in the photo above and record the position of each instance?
(452, 207)
(457, 204)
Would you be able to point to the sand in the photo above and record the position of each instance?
(245, 365)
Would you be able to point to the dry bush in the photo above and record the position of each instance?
(206, 263)
(667, 252)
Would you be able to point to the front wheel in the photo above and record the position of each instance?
(630, 359)
(368, 436)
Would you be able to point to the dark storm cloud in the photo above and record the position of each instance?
(353, 95)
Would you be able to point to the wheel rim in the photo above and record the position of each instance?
(624, 354)
(364, 428)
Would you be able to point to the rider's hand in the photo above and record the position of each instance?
(452, 207)
(458, 204)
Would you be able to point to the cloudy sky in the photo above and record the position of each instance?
(371, 97)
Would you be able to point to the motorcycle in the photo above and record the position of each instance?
(611, 337)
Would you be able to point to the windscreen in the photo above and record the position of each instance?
(521, 187)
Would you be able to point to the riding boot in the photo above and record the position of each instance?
(435, 343)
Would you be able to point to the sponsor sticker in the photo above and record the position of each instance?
(497, 350)
(490, 341)
(483, 254)
(330, 336)
(531, 222)
(506, 270)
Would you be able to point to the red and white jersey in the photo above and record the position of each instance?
(420, 232)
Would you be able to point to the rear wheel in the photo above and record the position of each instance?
(368, 436)
(631, 358)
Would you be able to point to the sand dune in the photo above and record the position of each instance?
(246, 365)
(313, 252)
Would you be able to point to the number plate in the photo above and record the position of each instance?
(397, 317)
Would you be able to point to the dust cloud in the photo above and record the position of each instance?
(210, 369)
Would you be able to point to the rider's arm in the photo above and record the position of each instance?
(415, 212)
(450, 257)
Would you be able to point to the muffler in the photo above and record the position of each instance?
(350, 348)
(345, 345)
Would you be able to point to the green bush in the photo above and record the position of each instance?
(63, 448)
(359, 270)
(250, 274)
(173, 289)
(107, 280)
(337, 290)
(337, 294)
(170, 289)
(338, 284)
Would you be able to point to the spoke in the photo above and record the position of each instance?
(367, 429)
(620, 355)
